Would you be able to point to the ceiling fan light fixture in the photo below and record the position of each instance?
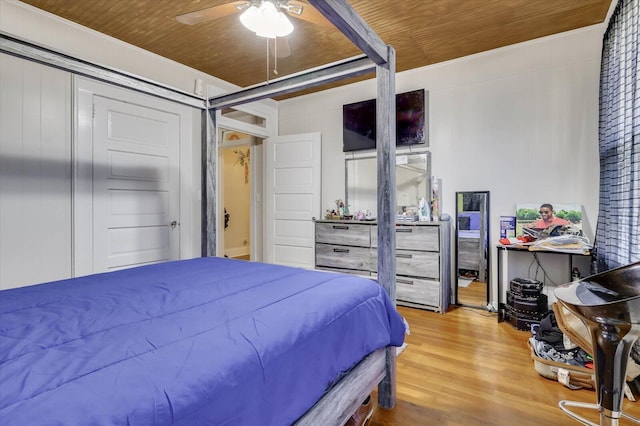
(266, 20)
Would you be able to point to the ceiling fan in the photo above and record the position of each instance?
(290, 8)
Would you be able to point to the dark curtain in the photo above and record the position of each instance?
(617, 240)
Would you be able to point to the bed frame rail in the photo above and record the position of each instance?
(343, 399)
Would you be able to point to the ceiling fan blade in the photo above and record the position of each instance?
(309, 14)
(210, 13)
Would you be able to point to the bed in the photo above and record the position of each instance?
(201, 341)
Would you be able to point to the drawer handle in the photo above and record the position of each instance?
(404, 281)
(403, 255)
(340, 250)
(404, 229)
(346, 228)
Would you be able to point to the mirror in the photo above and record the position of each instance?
(472, 248)
(413, 180)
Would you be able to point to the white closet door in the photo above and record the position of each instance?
(35, 173)
(136, 185)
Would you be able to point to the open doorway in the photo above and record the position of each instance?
(240, 188)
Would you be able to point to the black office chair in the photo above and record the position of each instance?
(609, 305)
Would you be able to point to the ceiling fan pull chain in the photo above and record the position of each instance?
(275, 55)
(267, 38)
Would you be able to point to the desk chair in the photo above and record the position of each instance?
(609, 305)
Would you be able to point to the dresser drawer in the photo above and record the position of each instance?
(346, 234)
(412, 237)
(344, 257)
(418, 291)
(413, 263)
(468, 253)
(418, 264)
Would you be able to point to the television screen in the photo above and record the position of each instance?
(410, 118)
(359, 122)
(359, 126)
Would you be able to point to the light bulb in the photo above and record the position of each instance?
(266, 20)
(250, 18)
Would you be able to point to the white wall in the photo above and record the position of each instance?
(520, 122)
(35, 173)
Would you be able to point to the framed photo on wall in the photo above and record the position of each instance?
(539, 216)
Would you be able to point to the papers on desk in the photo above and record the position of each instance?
(562, 243)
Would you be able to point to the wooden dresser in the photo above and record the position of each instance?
(423, 257)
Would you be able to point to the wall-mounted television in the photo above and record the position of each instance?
(359, 126)
(359, 122)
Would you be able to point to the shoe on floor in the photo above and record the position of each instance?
(362, 416)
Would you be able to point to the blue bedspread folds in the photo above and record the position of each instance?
(207, 341)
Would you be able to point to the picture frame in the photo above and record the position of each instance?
(528, 215)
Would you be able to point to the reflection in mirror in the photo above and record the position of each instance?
(413, 178)
(472, 248)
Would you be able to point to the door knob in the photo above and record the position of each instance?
(173, 224)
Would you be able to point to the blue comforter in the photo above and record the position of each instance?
(207, 341)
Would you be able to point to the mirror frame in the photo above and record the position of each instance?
(369, 156)
(487, 249)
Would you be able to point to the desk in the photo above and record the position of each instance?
(501, 250)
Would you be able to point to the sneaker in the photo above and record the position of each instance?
(362, 416)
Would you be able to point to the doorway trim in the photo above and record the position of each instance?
(268, 112)
(248, 144)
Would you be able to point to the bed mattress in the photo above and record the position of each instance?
(462, 233)
(207, 341)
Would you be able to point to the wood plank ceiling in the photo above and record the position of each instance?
(422, 32)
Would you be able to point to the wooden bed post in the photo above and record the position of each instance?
(208, 187)
(386, 152)
(345, 18)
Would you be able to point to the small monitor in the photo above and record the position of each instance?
(359, 126)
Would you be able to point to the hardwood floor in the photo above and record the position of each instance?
(465, 368)
(474, 294)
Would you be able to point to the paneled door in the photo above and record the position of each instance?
(136, 184)
(292, 198)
